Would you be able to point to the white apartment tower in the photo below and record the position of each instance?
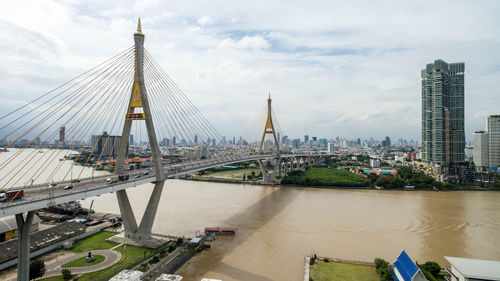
(481, 150)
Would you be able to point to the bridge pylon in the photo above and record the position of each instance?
(270, 177)
(139, 99)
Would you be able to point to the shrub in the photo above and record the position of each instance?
(326, 260)
(37, 269)
(384, 269)
(432, 267)
(66, 274)
(171, 248)
(156, 259)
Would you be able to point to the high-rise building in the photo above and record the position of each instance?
(331, 148)
(481, 150)
(493, 123)
(106, 145)
(443, 137)
(62, 134)
(131, 140)
(306, 139)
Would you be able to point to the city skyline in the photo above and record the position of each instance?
(339, 67)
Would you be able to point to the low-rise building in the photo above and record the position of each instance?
(463, 269)
(8, 227)
(406, 270)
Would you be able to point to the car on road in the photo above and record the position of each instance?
(68, 187)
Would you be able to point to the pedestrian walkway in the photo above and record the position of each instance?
(111, 257)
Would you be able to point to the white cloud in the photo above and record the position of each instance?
(247, 42)
(205, 20)
(348, 68)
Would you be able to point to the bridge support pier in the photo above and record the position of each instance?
(142, 233)
(23, 245)
(270, 177)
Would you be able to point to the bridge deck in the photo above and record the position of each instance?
(40, 196)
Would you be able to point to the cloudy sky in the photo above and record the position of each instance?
(334, 68)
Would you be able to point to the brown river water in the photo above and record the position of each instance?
(277, 226)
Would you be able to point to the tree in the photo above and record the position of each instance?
(37, 269)
(372, 177)
(66, 274)
(432, 267)
(396, 183)
(405, 172)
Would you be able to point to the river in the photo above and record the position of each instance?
(277, 226)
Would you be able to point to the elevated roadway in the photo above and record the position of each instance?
(43, 196)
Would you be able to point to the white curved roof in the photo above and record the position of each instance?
(9, 223)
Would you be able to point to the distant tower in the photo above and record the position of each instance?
(269, 130)
(443, 137)
(62, 134)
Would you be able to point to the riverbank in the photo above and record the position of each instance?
(111, 258)
(236, 181)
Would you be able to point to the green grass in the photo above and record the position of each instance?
(326, 271)
(94, 242)
(81, 262)
(325, 177)
(131, 256)
(53, 278)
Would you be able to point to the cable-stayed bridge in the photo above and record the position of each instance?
(93, 119)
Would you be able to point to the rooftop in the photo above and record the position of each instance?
(475, 268)
(405, 266)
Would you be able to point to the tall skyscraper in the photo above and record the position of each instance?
(62, 134)
(131, 140)
(493, 123)
(306, 139)
(443, 137)
(481, 150)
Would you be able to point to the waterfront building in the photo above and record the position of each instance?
(463, 269)
(481, 150)
(406, 270)
(493, 123)
(443, 137)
